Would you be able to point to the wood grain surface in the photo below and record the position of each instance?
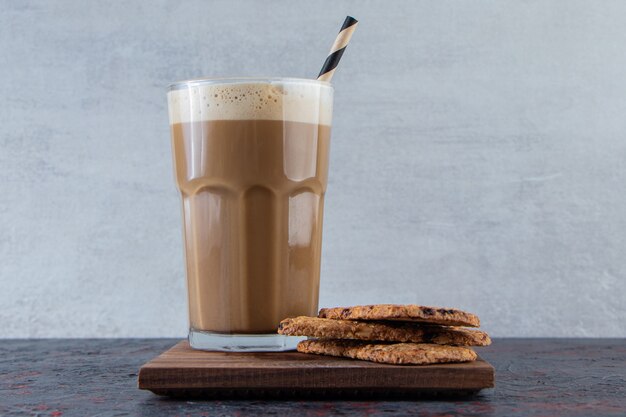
(183, 371)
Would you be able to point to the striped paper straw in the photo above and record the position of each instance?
(341, 42)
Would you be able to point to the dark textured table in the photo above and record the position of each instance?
(87, 377)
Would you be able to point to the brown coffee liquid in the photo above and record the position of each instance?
(253, 196)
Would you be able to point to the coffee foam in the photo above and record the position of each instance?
(306, 102)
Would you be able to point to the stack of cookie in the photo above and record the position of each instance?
(390, 333)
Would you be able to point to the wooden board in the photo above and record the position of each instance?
(182, 371)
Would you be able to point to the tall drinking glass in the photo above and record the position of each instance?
(251, 164)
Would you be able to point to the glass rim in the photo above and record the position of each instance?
(195, 82)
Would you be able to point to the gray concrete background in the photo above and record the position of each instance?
(478, 157)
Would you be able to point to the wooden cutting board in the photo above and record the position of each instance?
(182, 371)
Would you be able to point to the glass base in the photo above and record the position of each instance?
(204, 340)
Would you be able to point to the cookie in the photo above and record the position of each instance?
(408, 312)
(394, 353)
(382, 331)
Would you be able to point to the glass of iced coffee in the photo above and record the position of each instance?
(251, 164)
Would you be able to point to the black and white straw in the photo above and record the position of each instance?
(341, 42)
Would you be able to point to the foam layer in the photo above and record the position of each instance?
(307, 102)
